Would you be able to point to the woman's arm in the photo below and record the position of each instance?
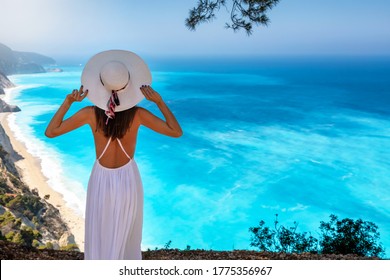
(170, 126)
(58, 126)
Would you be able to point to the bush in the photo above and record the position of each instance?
(10, 236)
(27, 204)
(4, 199)
(70, 247)
(3, 185)
(28, 235)
(337, 237)
(16, 182)
(6, 219)
(282, 239)
(25, 237)
(35, 243)
(350, 237)
(18, 239)
(2, 237)
(49, 246)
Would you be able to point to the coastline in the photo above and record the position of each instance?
(33, 177)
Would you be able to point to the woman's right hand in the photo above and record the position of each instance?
(76, 95)
(150, 94)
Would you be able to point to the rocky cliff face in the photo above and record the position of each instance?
(5, 107)
(14, 62)
(26, 218)
(4, 83)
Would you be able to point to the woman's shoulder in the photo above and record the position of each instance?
(88, 112)
(140, 111)
(88, 109)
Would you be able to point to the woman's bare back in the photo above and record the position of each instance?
(114, 157)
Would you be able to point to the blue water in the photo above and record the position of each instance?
(299, 137)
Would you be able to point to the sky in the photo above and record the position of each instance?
(65, 28)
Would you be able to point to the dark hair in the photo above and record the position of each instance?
(116, 127)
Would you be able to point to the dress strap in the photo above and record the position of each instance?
(120, 144)
(105, 149)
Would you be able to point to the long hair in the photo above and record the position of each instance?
(116, 127)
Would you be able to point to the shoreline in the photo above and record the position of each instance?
(32, 176)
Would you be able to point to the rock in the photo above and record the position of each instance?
(57, 70)
(56, 246)
(5, 82)
(4, 107)
(12, 251)
(8, 155)
(2, 210)
(66, 239)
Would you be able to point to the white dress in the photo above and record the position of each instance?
(114, 212)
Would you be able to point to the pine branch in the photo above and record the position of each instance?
(244, 14)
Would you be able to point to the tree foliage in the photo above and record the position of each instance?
(337, 237)
(347, 236)
(243, 13)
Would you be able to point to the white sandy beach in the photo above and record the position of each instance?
(33, 177)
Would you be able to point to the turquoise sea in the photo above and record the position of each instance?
(299, 137)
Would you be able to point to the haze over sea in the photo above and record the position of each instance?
(302, 137)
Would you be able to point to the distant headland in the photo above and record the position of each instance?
(17, 62)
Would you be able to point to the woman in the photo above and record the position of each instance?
(115, 81)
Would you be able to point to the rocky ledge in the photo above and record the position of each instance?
(4, 107)
(11, 251)
(4, 83)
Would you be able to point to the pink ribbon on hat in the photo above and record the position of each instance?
(111, 104)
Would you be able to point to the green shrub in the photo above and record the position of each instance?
(10, 236)
(347, 236)
(15, 202)
(3, 185)
(35, 243)
(27, 204)
(26, 236)
(168, 245)
(2, 237)
(4, 199)
(337, 237)
(70, 247)
(6, 219)
(16, 182)
(49, 245)
(18, 239)
(282, 239)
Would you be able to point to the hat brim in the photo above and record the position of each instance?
(131, 95)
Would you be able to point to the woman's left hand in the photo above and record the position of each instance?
(77, 95)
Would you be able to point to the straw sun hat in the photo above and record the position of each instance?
(115, 75)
